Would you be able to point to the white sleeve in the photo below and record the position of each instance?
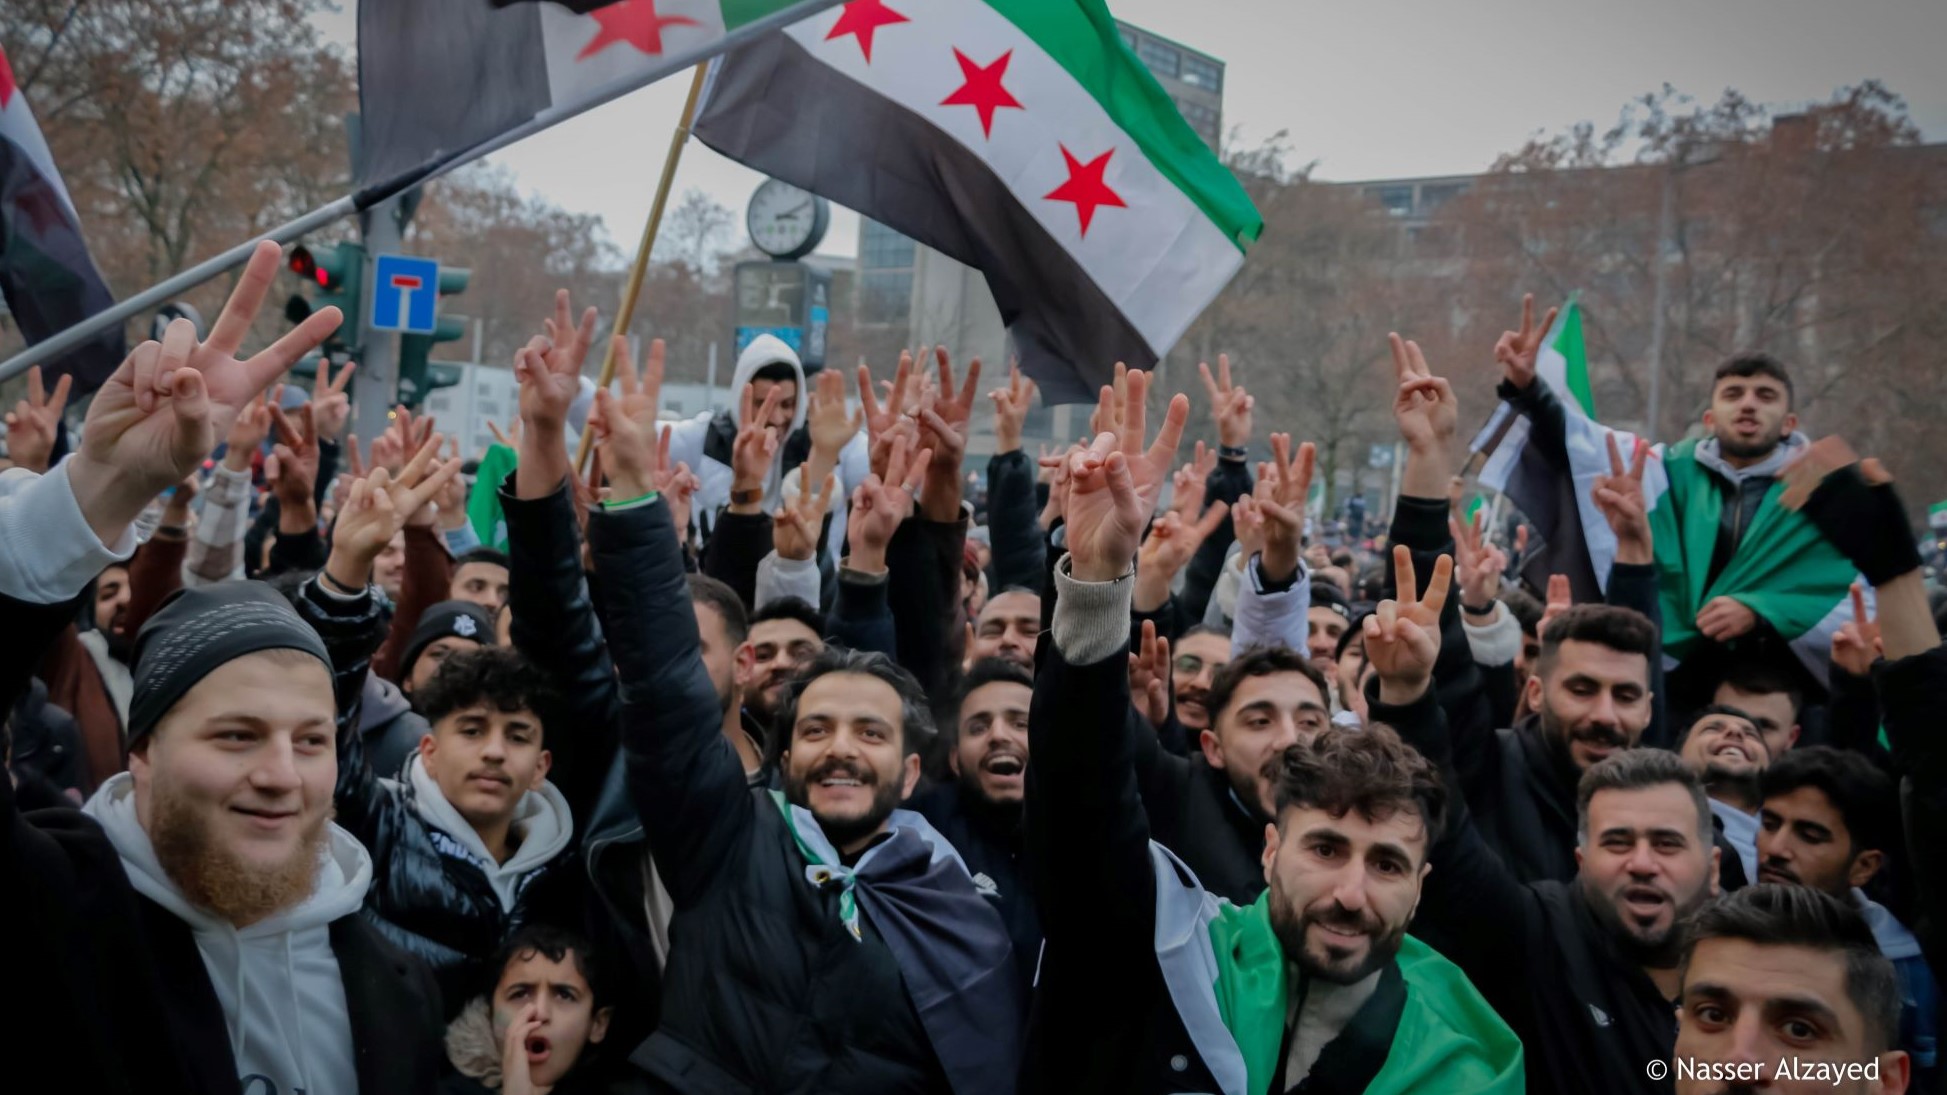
(1495, 642)
(778, 578)
(1270, 619)
(47, 551)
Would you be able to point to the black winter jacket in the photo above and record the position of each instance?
(428, 894)
(994, 844)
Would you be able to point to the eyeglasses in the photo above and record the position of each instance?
(1190, 665)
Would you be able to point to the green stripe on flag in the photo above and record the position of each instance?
(1575, 358)
(483, 510)
(1937, 515)
(738, 12)
(1081, 36)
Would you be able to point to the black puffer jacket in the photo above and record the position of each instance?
(431, 893)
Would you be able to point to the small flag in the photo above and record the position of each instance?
(483, 510)
(1020, 137)
(1937, 515)
(48, 277)
(437, 78)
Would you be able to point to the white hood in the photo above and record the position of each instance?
(766, 350)
(278, 981)
(541, 820)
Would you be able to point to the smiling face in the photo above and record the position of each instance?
(847, 762)
(234, 786)
(990, 756)
(1592, 699)
(484, 760)
(1771, 712)
(1323, 626)
(1343, 889)
(1197, 660)
(111, 599)
(1724, 747)
(563, 1005)
(1008, 626)
(778, 649)
(787, 404)
(1749, 416)
(1644, 865)
(1265, 716)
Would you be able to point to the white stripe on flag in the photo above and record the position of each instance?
(682, 25)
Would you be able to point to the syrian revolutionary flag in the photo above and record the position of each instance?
(444, 81)
(1547, 462)
(1017, 136)
(49, 279)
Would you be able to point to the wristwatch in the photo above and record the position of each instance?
(746, 497)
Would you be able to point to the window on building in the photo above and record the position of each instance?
(1435, 195)
(1207, 122)
(1397, 200)
(885, 296)
(881, 247)
(1203, 73)
(1161, 59)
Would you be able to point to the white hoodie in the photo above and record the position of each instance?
(278, 981)
(541, 820)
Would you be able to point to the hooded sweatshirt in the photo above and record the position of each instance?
(541, 823)
(277, 980)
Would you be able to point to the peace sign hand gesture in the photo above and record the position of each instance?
(1230, 405)
(1425, 407)
(1857, 643)
(1619, 495)
(1403, 636)
(1516, 351)
(549, 368)
(33, 422)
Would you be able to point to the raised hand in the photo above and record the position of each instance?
(945, 419)
(1149, 676)
(159, 415)
(1424, 406)
(879, 505)
(1480, 563)
(1107, 416)
(1725, 618)
(879, 419)
(795, 526)
(293, 473)
(1857, 643)
(1187, 486)
(515, 1076)
(1230, 405)
(247, 433)
(1403, 635)
(1279, 498)
(828, 423)
(331, 408)
(1516, 351)
(625, 423)
(1113, 485)
(376, 510)
(756, 444)
(1560, 599)
(34, 422)
(1011, 409)
(1619, 495)
(1173, 539)
(549, 368)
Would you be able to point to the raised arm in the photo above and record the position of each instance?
(1231, 409)
(1019, 547)
(1275, 593)
(860, 617)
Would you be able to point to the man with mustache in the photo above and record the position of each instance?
(1728, 752)
(822, 940)
(1199, 655)
(1312, 984)
(1007, 627)
(784, 637)
(196, 929)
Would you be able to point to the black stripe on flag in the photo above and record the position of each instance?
(439, 76)
(775, 108)
(1545, 493)
(47, 276)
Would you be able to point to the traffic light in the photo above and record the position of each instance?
(417, 375)
(338, 272)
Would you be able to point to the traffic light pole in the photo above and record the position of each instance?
(376, 385)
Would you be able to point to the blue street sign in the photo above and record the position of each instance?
(405, 294)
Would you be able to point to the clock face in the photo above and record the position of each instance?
(784, 221)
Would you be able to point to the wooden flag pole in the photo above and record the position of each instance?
(626, 313)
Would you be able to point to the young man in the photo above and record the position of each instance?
(1198, 656)
(445, 629)
(785, 636)
(1785, 976)
(794, 962)
(541, 1024)
(1727, 751)
(1829, 823)
(1327, 619)
(724, 628)
(980, 811)
(1008, 625)
(1769, 696)
(480, 576)
(197, 931)
(1167, 987)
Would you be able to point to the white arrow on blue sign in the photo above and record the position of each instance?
(405, 294)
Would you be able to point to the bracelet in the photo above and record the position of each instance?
(638, 499)
(1238, 453)
(324, 576)
(1485, 610)
(746, 497)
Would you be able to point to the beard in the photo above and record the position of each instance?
(1560, 734)
(1742, 785)
(213, 877)
(1729, 444)
(1290, 924)
(845, 830)
(1648, 947)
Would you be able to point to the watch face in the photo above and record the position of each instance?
(783, 219)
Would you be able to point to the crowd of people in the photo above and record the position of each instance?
(757, 760)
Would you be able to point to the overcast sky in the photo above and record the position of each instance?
(1369, 90)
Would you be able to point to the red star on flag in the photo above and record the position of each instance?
(983, 90)
(1085, 186)
(863, 18)
(7, 85)
(634, 22)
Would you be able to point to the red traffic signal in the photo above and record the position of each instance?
(304, 265)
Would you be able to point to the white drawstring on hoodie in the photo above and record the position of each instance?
(541, 821)
(277, 980)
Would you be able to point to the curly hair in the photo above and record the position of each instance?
(1370, 771)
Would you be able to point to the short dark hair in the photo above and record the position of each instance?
(483, 555)
(554, 944)
(1771, 915)
(776, 370)
(1527, 611)
(1621, 629)
(916, 720)
(1706, 711)
(500, 677)
(1636, 770)
(1218, 630)
(790, 608)
(705, 590)
(1748, 365)
(1864, 796)
(1261, 661)
(1370, 770)
(1759, 677)
(984, 672)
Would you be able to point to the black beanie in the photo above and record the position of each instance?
(1327, 594)
(196, 631)
(447, 619)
